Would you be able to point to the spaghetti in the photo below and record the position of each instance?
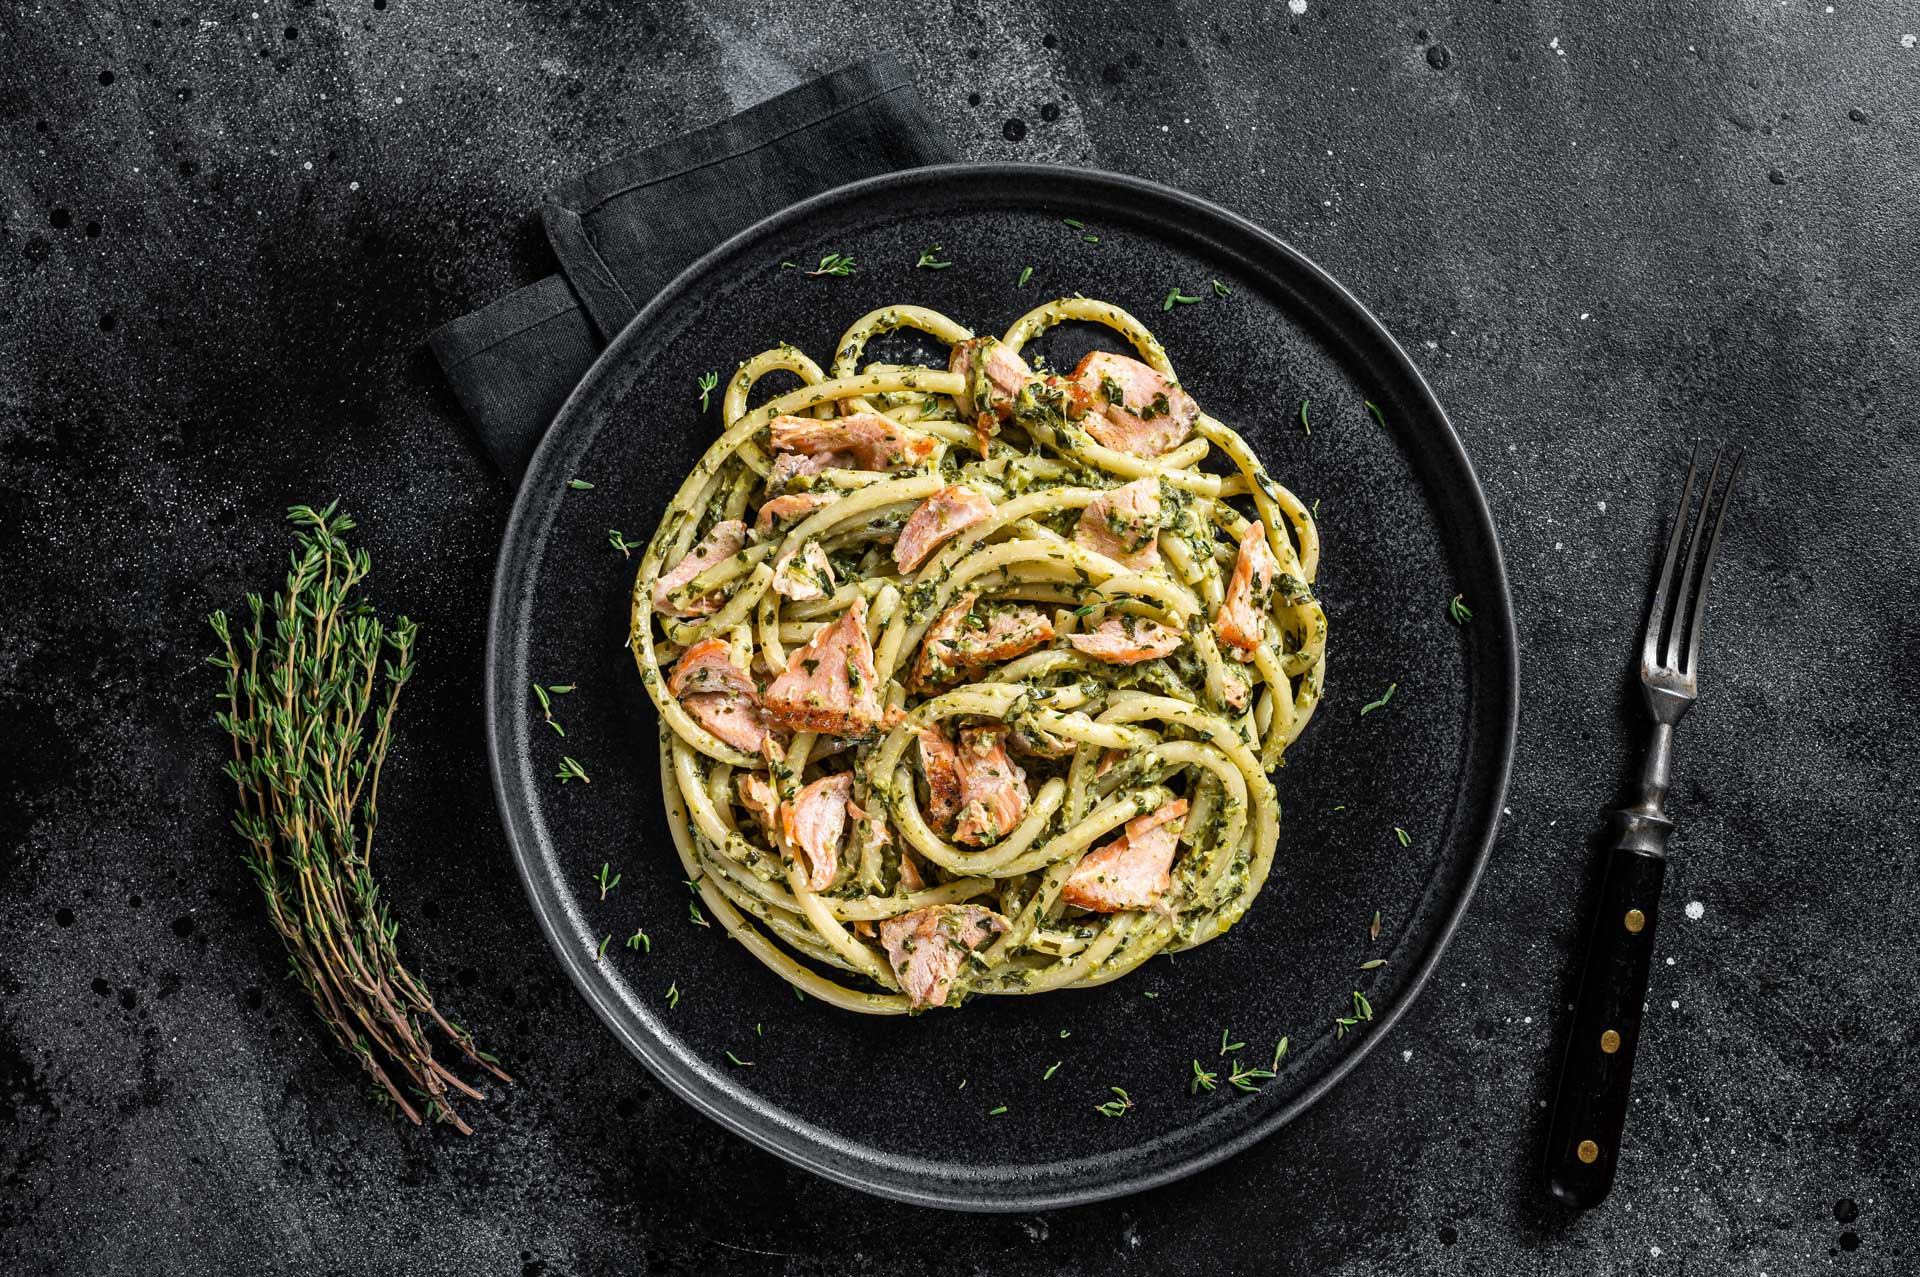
(970, 680)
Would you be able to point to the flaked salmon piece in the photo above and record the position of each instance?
(940, 765)
(1127, 640)
(722, 542)
(789, 466)
(1123, 525)
(1134, 408)
(758, 797)
(816, 822)
(1238, 686)
(964, 638)
(1249, 593)
(1134, 870)
(928, 947)
(804, 574)
(731, 717)
(945, 514)
(708, 666)
(873, 442)
(781, 513)
(993, 376)
(1109, 759)
(911, 879)
(993, 789)
(830, 684)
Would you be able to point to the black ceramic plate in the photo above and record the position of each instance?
(906, 1106)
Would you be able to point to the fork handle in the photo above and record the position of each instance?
(1590, 1111)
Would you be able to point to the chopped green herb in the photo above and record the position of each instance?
(1091, 239)
(673, 995)
(1116, 1107)
(1065, 1034)
(601, 952)
(930, 260)
(1304, 425)
(1373, 932)
(693, 912)
(1077, 225)
(606, 884)
(831, 264)
(1203, 1080)
(1279, 1054)
(759, 1031)
(708, 380)
(580, 485)
(1148, 993)
(640, 938)
(1385, 696)
(997, 1110)
(1362, 1006)
(618, 540)
(1459, 611)
(1374, 408)
(570, 769)
(1048, 1075)
(1371, 963)
(737, 1062)
(1402, 835)
(1026, 273)
(1175, 296)
(1221, 290)
(1226, 1046)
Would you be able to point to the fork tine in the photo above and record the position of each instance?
(1657, 610)
(1684, 597)
(1706, 568)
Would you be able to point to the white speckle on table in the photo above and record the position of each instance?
(1654, 1251)
(308, 166)
(1528, 1020)
(1696, 910)
(1559, 545)
(1675, 1004)
(1669, 961)
(1602, 505)
(353, 186)
(1586, 314)
(1406, 1056)
(1554, 44)
(1909, 40)
(1296, 7)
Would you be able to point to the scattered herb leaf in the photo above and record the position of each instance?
(737, 1062)
(708, 380)
(1117, 1107)
(1075, 223)
(1371, 963)
(606, 884)
(1221, 290)
(1374, 408)
(1304, 425)
(601, 952)
(1385, 696)
(580, 485)
(1175, 296)
(570, 769)
(640, 938)
(997, 1110)
(1279, 1054)
(1048, 1075)
(1202, 1080)
(1026, 273)
(1406, 840)
(1459, 611)
(930, 260)
(673, 995)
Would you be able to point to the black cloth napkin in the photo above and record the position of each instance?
(623, 230)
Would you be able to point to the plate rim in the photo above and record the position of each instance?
(766, 1124)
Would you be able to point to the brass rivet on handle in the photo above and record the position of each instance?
(1635, 920)
(1610, 1041)
(1588, 1150)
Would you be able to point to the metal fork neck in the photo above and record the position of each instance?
(1644, 825)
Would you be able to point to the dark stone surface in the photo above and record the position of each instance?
(1600, 233)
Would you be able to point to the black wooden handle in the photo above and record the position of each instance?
(1590, 1111)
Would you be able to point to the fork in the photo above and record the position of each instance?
(1590, 1110)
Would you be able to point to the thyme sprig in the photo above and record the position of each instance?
(1118, 1107)
(707, 381)
(930, 260)
(1458, 610)
(309, 705)
(840, 264)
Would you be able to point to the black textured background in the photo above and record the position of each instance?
(225, 235)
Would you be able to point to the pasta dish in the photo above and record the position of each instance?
(970, 680)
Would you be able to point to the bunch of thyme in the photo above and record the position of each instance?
(309, 704)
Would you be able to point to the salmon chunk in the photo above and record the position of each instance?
(1127, 640)
(928, 947)
(708, 666)
(941, 516)
(966, 637)
(872, 441)
(940, 765)
(719, 694)
(1134, 408)
(781, 513)
(730, 717)
(804, 574)
(1124, 525)
(830, 684)
(789, 466)
(1249, 593)
(993, 789)
(758, 797)
(721, 543)
(816, 822)
(1134, 870)
(993, 376)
